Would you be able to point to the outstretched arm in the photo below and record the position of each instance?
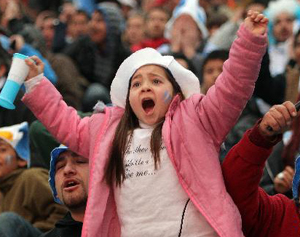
(48, 106)
(234, 87)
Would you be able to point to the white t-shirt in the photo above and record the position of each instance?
(152, 202)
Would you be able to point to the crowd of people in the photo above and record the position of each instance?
(151, 118)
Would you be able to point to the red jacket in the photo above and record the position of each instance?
(262, 215)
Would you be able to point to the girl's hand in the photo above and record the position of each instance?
(36, 66)
(278, 118)
(256, 22)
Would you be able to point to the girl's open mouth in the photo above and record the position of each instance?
(148, 105)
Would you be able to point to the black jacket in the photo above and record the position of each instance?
(66, 227)
(270, 89)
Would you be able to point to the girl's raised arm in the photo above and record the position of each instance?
(224, 102)
(47, 104)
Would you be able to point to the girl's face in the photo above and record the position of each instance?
(150, 94)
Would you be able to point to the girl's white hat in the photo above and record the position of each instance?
(186, 79)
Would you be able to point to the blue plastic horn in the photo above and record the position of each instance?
(16, 76)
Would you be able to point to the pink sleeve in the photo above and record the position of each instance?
(224, 102)
(60, 120)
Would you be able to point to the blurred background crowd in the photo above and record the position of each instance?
(83, 42)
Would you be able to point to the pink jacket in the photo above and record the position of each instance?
(193, 129)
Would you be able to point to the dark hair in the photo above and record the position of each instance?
(83, 12)
(262, 2)
(180, 55)
(115, 167)
(216, 20)
(50, 15)
(216, 54)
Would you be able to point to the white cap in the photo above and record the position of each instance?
(186, 79)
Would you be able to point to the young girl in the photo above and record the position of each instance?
(154, 155)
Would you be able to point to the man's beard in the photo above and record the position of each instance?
(76, 201)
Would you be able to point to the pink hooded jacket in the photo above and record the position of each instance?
(193, 132)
